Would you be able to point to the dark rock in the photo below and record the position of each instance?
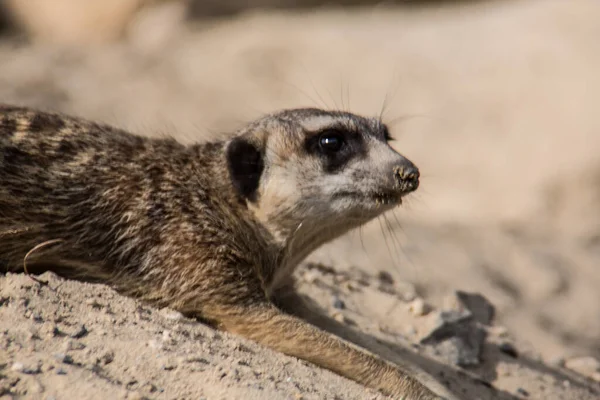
(385, 278)
(80, 333)
(457, 338)
(338, 303)
(508, 349)
(63, 358)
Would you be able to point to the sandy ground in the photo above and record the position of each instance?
(496, 103)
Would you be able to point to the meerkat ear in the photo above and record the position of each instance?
(245, 164)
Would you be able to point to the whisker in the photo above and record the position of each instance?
(385, 240)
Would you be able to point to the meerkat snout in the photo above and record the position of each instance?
(407, 176)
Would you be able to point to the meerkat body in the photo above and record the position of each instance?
(210, 229)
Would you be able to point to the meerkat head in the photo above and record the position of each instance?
(318, 171)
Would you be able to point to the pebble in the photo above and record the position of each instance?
(456, 337)
(81, 332)
(25, 369)
(522, 392)
(385, 278)
(350, 286)
(107, 357)
(172, 315)
(310, 276)
(338, 303)
(93, 303)
(418, 307)
(32, 334)
(169, 365)
(508, 349)
(50, 330)
(339, 317)
(196, 359)
(586, 366)
(63, 358)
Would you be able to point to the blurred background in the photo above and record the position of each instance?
(497, 102)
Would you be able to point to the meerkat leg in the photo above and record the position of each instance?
(291, 302)
(265, 324)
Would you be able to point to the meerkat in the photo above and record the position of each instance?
(209, 229)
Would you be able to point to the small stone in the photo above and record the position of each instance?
(60, 371)
(310, 276)
(32, 334)
(522, 392)
(172, 315)
(93, 303)
(81, 332)
(25, 369)
(149, 387)
(48, 367)
(169, 365)
(585, 366)
(36, 317)
(508, 349)
(385, 278)
(350, 286)
(418, 307)
(338, 303)
(456, 337)
(50, 330)
(18, 367)
(63, 358)
(107, 357)
(339, 317)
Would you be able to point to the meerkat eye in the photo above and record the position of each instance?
(331, 141)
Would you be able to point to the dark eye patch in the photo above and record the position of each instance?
(386, 134)
(335, 147)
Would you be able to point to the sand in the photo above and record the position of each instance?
(497, 103)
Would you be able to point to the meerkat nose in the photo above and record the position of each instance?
(407, 175)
